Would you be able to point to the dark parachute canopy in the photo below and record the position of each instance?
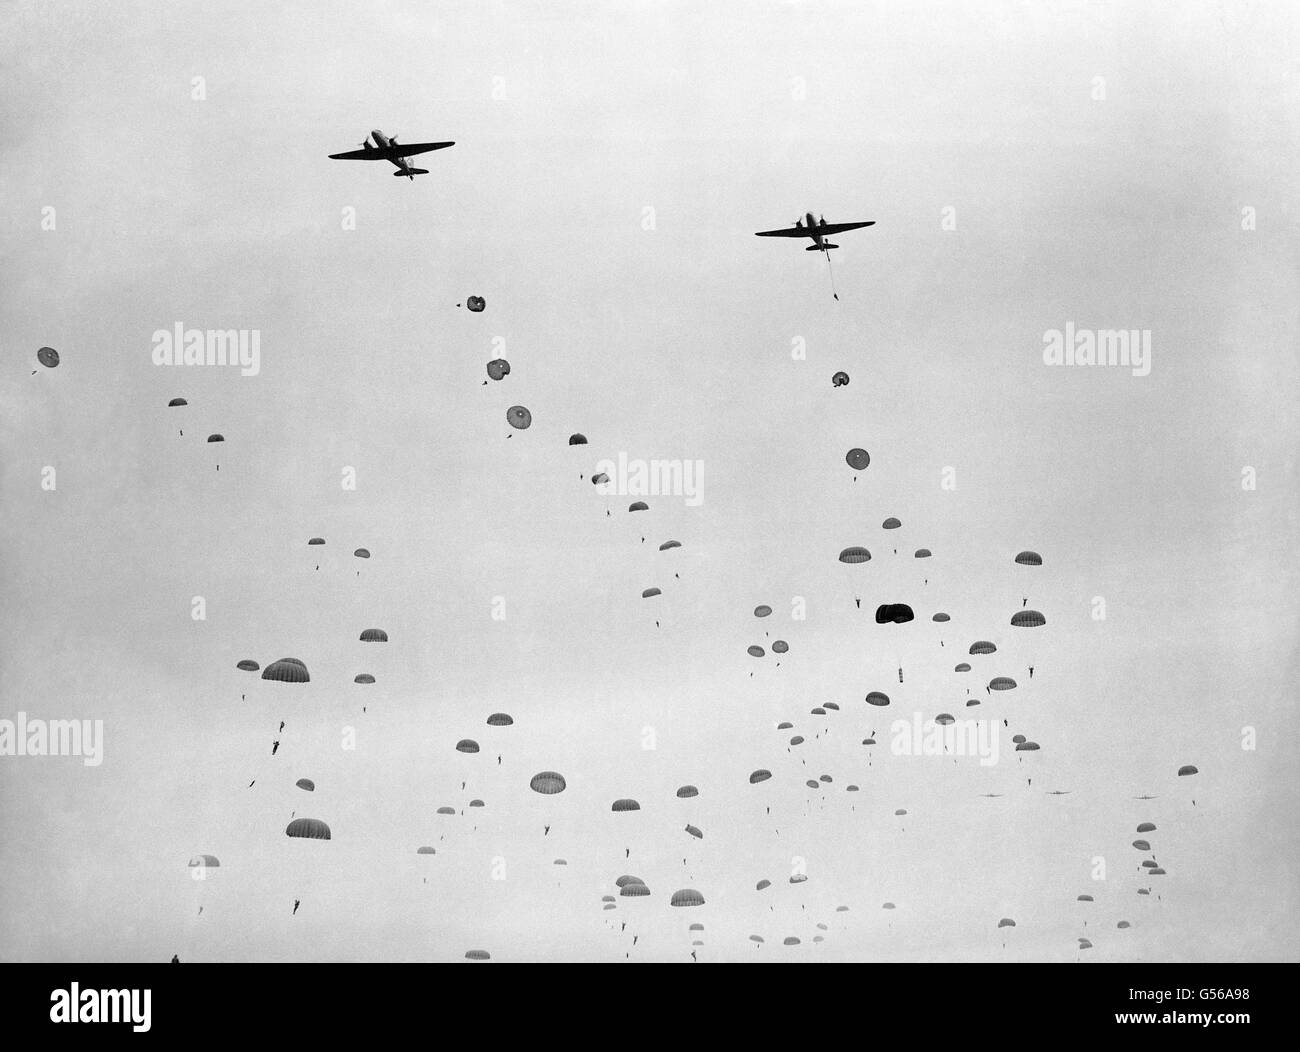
(425, 851)
(476, 303)
(308, 829)
(248, 665)
(625, 804)
(669, 544)
(286, 670)
(477, 955)
(444, 810)
(519, 417)
(634, 891)
(627, 879)
(1028, 619)
(650, 593)
(1006, 922)
(759, 776)
(175, 402)
(500, 719)
(854, 555)
(762, 884)
(362, 553)
(890, 524)
(1002, 683)
(1027, 747)
(780, 646)
(941, 617)
(687, 897)
(1029, 559)
(982, 646)
(762, 611)
(695, 832)
(857, 458)
(598, 478)
(897, 613)
(755, 651)
(878, 698)
(316, 540)
(638, 505)
(577, 440)
(477, 803)
(374, 635)
(962, 666)
(922, 553)
(498, 368)
(1147, 827)
(48, 357)
(686, 792)
(548, 783)
(1187, 769)
(467, 745)
(306, 783)
(216, 438)
(204, 861)
(840, 379)
(364, 677)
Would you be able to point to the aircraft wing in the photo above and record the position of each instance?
(411, 149)
(358, 155)
(790, 231)
(839, 228)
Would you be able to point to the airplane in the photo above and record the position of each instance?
(388, 149)
(817, 229)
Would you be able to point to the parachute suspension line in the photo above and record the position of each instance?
(831, 271)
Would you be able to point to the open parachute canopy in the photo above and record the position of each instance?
(857, 458)
(286, 670)
(517, 416)
(48, 357)
(308, 829)
(476, 303)
(855, 555)
(548, 783)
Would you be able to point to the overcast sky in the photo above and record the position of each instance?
(1027, 166)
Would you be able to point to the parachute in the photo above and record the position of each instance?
(216, 438)
(790, 940)
(374, 635)
(1006, 922)
(1187, 769)
(900, 812)
(476, 303)
(687, 897)
(498, 369)
(316, 540)
(686, 792)
(898, 613)
(638, 505)
(762, 884)
(1084, 898)
(818, 711)
(1147, 827)
(577, 440)
(890, 524)
(669, 544)
(425, 851)
(854, 555)
(780, 646)
(1028, 619)
(364, 677)
(306, 783)
(286, 670)
(797, 740)
(1142, 845)
(204, 862)
(961, 667)
(1002, 683)
(308, 829)
(798, 878)
(1123, 924)
(467, 745)
(634, 891)
(175, 402)
(1029, 559)
(650, 593)
(500, 719)
(851, 789)
(477, 955)
(755, 651)
(518, 417)
(762, 611)
(599, 478)
(832, 705)
(857, 458)
(922, 553)
(444, 810)
(548, 783)
(982, 646)
(625, 804)
(785, 726)
(48, 357)
(878, 699)
(756, 938)
(1027, 747)
(627, 879)
(945, 719)
(248, 665)
(477, 803)
(941, 618)
(1018, 738)
(759, 776)
(695, 832)
(362, 553)
(840, 379)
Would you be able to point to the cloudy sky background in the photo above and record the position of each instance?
(571, 121)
